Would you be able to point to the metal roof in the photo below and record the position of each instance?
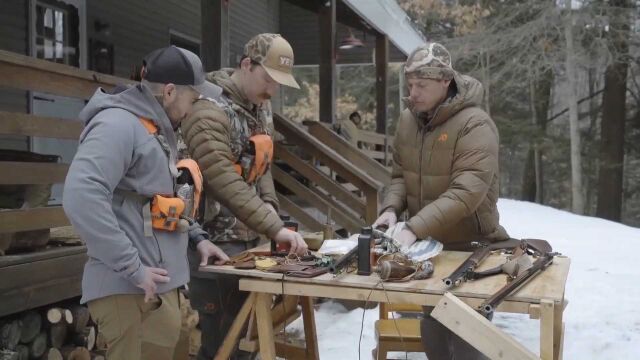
(387, 17)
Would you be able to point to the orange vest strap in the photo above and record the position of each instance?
(149, 125)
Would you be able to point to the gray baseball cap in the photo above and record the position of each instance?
(178, 66)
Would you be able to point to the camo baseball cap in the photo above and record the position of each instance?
(275, 55)
(430, 61)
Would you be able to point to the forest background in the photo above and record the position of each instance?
(561, 81)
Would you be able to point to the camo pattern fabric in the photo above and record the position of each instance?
(243, 124)
(430, 61)
(256, 49)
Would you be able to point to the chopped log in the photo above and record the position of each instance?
(56, 315)
(58, 334)
(23, 351)
(31, 325)
(81, 316)
(10, 334)
(85, 338)
(9, 355)
(53, 354)
(38, 346)
(75, 353)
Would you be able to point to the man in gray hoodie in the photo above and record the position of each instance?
(127, 154)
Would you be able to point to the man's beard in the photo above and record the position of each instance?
(264, 96)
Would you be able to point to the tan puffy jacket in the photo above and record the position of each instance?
(445, 172)
(207, 134)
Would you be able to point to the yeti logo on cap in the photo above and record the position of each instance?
(286, 61)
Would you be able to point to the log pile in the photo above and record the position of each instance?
(53, 333)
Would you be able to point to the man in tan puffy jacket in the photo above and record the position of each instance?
(238, 207)
(445, 172)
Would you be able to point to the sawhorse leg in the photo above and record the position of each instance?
(551, 330)
(233, 335)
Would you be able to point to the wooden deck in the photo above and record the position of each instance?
(43, 277)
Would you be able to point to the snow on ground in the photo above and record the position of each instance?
(603, 289)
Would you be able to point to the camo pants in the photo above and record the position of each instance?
(218, 301)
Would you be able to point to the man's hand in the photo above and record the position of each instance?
(271, 207)
(152, 276)
(387, 218)
(406, 238)
(298, 246)
(207, 249)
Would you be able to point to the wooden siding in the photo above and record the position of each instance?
(248, 18)
(138, 27)
(14, 37)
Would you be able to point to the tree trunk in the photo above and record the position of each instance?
(614, 115)
(577, 199)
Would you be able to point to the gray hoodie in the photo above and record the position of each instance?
(116, 156)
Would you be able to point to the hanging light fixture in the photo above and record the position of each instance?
(350, 42)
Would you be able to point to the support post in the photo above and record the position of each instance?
(382, 97)
(215, 34)
(327, 66)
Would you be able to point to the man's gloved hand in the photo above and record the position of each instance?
(406, 238)
(387, 218)
(298, 246)
(152, 276)
(207, 249)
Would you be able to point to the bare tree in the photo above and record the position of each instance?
(577, 198)
(614, 113)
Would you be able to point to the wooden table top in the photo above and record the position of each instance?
(549, 284)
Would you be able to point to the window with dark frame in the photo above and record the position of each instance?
(57, 33)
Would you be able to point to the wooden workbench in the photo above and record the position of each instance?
(542, 297)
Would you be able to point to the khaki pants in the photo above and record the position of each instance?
(134, 329)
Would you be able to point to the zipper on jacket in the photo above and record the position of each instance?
(159, 250)
(422, 151)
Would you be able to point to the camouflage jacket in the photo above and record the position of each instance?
(216, 134)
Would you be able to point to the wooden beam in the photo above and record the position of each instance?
(32, 219)
(299, 214)
(33, 125)
(347, 220)
(327, 61)
(214, 34)
(319, 178)
(26, 173)
(479, 332)
(382, 97)
(31, 74)
(36, 283)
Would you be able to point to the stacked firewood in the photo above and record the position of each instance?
(52, 333)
